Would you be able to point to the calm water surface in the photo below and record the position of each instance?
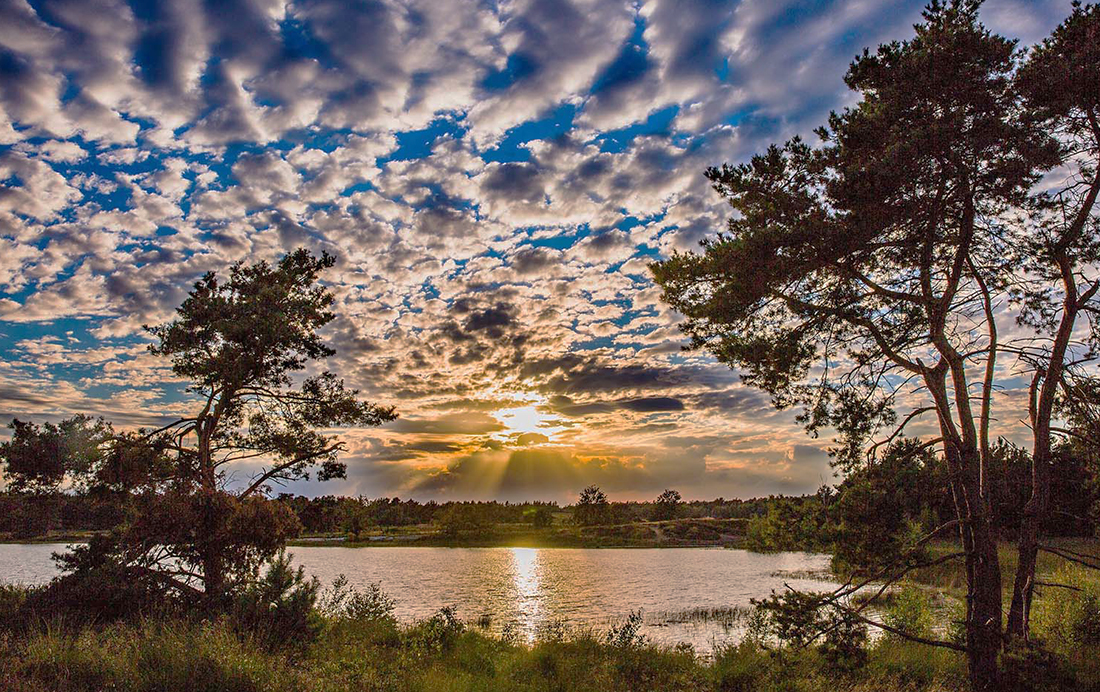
(525, 590)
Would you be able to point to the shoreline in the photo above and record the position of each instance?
(672, 533)
(335, 542)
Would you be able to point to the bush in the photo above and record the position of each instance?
(626, 634)
(792, 617)
(437, 634)
(344, 602)
(1086, 624)
(909, 612)
(99, 588)
(845, 644)
(740, 668)
(279, 609)
(1029, 667)
(13, 604)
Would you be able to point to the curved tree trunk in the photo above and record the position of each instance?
(1043, 390)
(983, 576)
(1023, 588)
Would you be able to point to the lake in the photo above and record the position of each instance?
(693, 595)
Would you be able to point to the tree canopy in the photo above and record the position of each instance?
(238, 342)
(869, 278)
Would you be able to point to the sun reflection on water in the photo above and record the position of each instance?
(527, 582)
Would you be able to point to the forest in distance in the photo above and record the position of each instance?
(919, 285)
(912, 493)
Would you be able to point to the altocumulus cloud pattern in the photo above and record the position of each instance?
(493, 177)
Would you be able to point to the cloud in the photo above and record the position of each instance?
(451, 424)
(493, 177)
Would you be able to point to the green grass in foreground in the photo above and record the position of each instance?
(380, 655)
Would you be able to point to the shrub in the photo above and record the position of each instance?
(437, 634)
(99, 588)
(279, 608)
(845, 643)
(1086, 624)
(740, 668)
(370, 605)
(792, 617)
(626, 634)
(1069, 616)
(1029, 667)
(13, 603)
(956, 624)
(909, 612)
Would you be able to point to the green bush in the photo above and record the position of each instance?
(437, 634)
(279, 609)
(100, 588)
(844, 647)
(369, 605)
(908, 610)
(1030, 667)
(1086, 626)
(740, 668)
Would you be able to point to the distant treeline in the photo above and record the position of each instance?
(891, 501)
(332, 514)
(26, 515)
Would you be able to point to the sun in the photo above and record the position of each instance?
(526, 419)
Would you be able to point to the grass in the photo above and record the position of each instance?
(951, 576)
(381, 655)
(726, 617)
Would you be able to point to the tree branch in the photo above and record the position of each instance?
(275, 470)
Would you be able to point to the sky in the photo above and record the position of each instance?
(493, 178)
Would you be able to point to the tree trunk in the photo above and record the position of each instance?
(1028, 543)
(213, 576)
(983, 625)
(1041, 410)
(983, 572)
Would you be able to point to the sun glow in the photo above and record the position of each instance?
(527, 419)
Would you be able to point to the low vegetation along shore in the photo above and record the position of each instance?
(434, 655)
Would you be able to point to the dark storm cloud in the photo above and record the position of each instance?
(493, 320)
(531, 260)
(514, 182)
